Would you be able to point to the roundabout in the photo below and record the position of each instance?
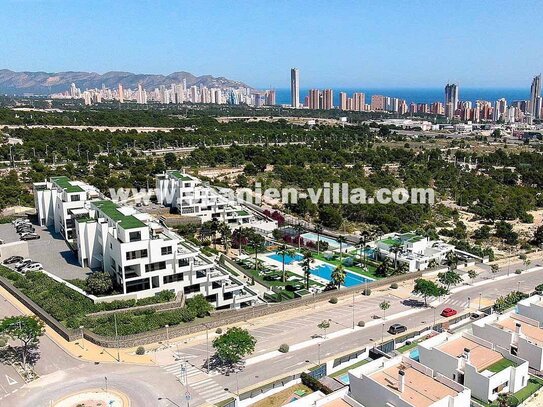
(94, 398)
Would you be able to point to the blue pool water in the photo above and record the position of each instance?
(288, 259)
(325, 271)
(344, 378)
(414, 354)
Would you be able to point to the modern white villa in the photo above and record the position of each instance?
(414, 250)
(191, 197)
(531, 307)
(403, 382)
(143, 256)
(483, 367)
(521, 335)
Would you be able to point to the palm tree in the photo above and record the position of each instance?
(214, 228)
(402, 268)
(503, 400)
(299, 229)
(255, 241)
(341, 239)
(318, 231)
(365, 237)
(396, 248)
(382, 269)
(384, 306)
(225, 232)
(451, 260)
(241, 235)
(432, 264)
(338, 276)
(306, 266)
(449, 278)
(284, 251)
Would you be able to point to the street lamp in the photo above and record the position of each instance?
(480, 295)
(167, 335)
(469, 302)
(353, 310)
(518, 286)
(382, 333)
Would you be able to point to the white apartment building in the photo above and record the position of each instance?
(481, 366)
(403, 382)
(191, 197)
(59, 201)
(144, 257)
(521, 335)
(417, 251)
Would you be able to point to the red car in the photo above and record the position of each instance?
(448, 312)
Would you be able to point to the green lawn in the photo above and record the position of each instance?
(501, 365)
(351, 367)
(412, 345)
(355, 269)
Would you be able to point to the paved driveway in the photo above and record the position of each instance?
(50, 250)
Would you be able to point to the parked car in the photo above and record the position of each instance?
(22, 263)
(475, 315)
(20, 227)
(13, 259)
(397, 329)
(34, 266)
(448, 312)
(30, 236)
(20, 221)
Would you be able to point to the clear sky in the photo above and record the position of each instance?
(375, 43)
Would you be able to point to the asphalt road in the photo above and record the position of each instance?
(62, 374)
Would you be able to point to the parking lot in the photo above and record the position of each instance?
(50, 250)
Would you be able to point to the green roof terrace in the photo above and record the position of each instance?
(66, 184)
(111, 210)
(180, 176)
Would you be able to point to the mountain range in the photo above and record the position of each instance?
(45, 83)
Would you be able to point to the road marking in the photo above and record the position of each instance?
(11, 381)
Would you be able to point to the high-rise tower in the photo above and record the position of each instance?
(295, 87)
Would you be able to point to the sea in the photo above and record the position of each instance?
(420, 95)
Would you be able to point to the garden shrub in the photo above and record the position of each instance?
(140, 350)
(333, 300)
(394, 286)
(284, 348)
(361, 324)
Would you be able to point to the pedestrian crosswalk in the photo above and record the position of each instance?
(209, 390)
(191, 377)
(182, 370)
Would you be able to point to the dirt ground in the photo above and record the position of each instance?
(281, 398)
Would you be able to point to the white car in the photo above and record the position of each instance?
(32, 267)
(22, 263)
(18, 222)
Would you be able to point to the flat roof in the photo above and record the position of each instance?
(480, 356)
(336, 403)
(180, 176)
(111, 210)
(534, 333)
(420, 390)
(65, 183)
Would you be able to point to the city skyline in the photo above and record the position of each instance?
(384, 54)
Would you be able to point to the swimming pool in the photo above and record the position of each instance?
(332, 243)
(325, 271)
(288, 259)
(414, 354)
(344, 378)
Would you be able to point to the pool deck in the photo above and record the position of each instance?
(297, 269)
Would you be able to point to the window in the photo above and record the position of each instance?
(173, 278)
(183, 262)
(136, 254)
(135, 236)
(161, 265)
(192, 289)
(166, 250)
(75, 198)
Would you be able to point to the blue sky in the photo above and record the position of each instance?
(334, 43)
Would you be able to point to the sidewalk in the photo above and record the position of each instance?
(83, 350)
